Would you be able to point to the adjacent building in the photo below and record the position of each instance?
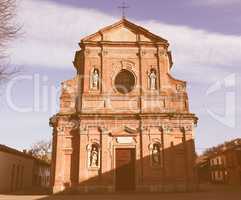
(21, 171)
(203, 169)
(225, 164)
(124, 121)
(222, 165)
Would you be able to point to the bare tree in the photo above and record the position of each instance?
(8, 31)
(42, 150)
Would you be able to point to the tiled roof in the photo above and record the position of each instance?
(16, 152)
(231, 145)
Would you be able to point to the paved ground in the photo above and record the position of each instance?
(209, 193)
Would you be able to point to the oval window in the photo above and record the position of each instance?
(124, 81)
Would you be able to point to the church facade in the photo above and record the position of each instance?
(124, 122)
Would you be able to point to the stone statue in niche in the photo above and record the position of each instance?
(95, 79)
(94, 156)
(152, 79)
(156, 156)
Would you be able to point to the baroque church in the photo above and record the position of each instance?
(124, 122)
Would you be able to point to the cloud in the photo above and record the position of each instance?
(215, 2)
(52, 32)
(203, 55)
(51, 35)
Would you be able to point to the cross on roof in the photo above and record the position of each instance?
(123, 7)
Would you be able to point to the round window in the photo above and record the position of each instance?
(124, 81)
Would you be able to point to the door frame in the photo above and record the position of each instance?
(133, 147)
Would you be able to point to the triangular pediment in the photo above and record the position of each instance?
(124, 31)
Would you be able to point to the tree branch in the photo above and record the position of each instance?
(8, 31)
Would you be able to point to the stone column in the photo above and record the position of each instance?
(104, 70)
(141, 152)
(68, 151)
(63, 145)
(144, 157)
(173, 165)
(58, 179)
(83, 155)
(158, 69)
(105, 165)
(139, 167)
(186, 177)
(74, 165)
(140, 75)
(163, 174)
(189, 148)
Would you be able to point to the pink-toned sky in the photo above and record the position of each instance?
(205, 39)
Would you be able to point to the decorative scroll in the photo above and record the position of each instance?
(180, 88)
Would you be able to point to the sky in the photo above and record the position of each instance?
(205, 40)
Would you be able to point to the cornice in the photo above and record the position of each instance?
(84, 44)
(140, 115)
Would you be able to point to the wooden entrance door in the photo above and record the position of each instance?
(125, 169)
